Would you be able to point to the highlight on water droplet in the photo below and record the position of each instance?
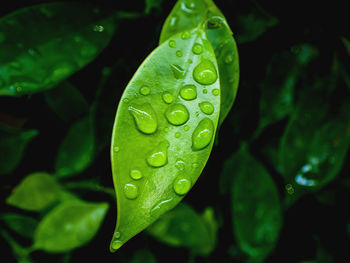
(116, 149)
(215, 92)
(177, 135)
(172, 43)
(117, 234)
(98, 28)
(206, 107)
(179, 53)
(188, 7)
(158, 156)
(229, 58)
(145, 118)
(179, 72)
(186, 35)
(177, 114)
(180, 164)
(181, 185)
(136, 174)
(205, 73)
(167, 97)
(145, 90)
(197, 49)
(131, 191)
(202, 134)
(188, 92)
(173, 21)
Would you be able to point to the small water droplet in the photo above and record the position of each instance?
(177, 114)
(172, 43)
(206, 107)
(190, 61)
(131, 191)
(186, 35)
(188, 7)
(179, 53)
(116, 244)
(195, 165)
(173, 21)
(145, 118)
(136, 174)
(182, 185)
(205, 73)
(177, 135)
(167, 97)
(126, 101)
(186, 127)
(197, 49)
(117, 234)
(202, 134)
(179, 72)
(158, 156)
(145, 90)
(290, 189)
(188, 92)
(228, 58)
(180, 164)
(116, 149)
(205, 91)
(98, 28)
(215, 92)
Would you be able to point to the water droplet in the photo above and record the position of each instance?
(190, 61)
(126, 101)
(197, 49)
(179, 72)
(158, 156)
(202, 134)
(145, 118)
(117, 234)
(188, 8)
(215, 92)
(195, 165)
(182, 185)
(98, 28)
(180, 164)
(172, 43)
(145, 90)
(205, 73)
(167, 97)
(131, 191)
(206, 107)
(177, 135)
(186, 128)
(188, 92)
(116, 244)
(136, 174)
(173, 21)
(205, 91)
(186, 35)
(116, 149)
(228, 58)
(2, 37)
(290, 189)
(177, 114)
(179, 53)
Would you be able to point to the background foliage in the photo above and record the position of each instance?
(276, 187)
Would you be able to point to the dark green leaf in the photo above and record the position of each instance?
(44, 44)
(21, 224)
(12, 146)
(69, 225)
(183, 227)
(76, 151)
(66, 101)
(35, 192)
(143, 256)
(151, 5)
(163, 132)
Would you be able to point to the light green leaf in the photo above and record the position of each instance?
(21, 224)
(69, 225)
(76, 151)
(44, 44)
(35, 192)
(183, 227)
(163, 134)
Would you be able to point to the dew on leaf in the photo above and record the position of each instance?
(205, 73)
(177, 114)
(197, 49)
(188, 92)
(179, 72)
(158, 156)
(98, 28)
(117, 234)
(186, 127)
(202, 134)
(136, 174)
(131, 191)
(177, 135)
(172, 43)
(173, 21)
(182, 185)
(145, 90)
(185, 35)
(145, 118)
(116, 149)
(179, 53)
(180, 164)
(215, 92)
(206, 107)
(167, 97)
(116, 244)
(188, 7)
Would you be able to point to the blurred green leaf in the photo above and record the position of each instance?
(35, 192)
(256, 209)
(44, 44)
(252, 25)
(69, 225)
(66, 101)
(151, 5)
(143, 256)
(76, 151)
(183, 227)
(21, 224)
(12, 146)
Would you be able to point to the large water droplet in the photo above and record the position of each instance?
(205, 73)
(136, 174)
(145, 90)
(179, 72)
(131, 191)
(177, 114)
(145, 118)
(182, 185)
(116, 244)
(197, 49)
(167, 97)
(188, 92)
(202, 134)
(188, 7)
(158, 156)
(206, 107)
(172, 43)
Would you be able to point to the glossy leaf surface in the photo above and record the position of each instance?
(21, 224)
(183, 227)
(69, 225)
(162, 138)
(187, 14)
(55, 43)
(35, 192)
(256, 208)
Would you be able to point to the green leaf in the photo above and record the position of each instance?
(187, 15)
(143, 256)
(70, 36)
(164, 131)
(152, 4)
(256, 208)
(69, 225)
(76, 151)
(21, 224)
(183, 227)
(66, 101)
(35, 192)
(12, 146)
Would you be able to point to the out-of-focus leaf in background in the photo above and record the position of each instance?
(21, 224)
(35, 57)
(143, 256)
